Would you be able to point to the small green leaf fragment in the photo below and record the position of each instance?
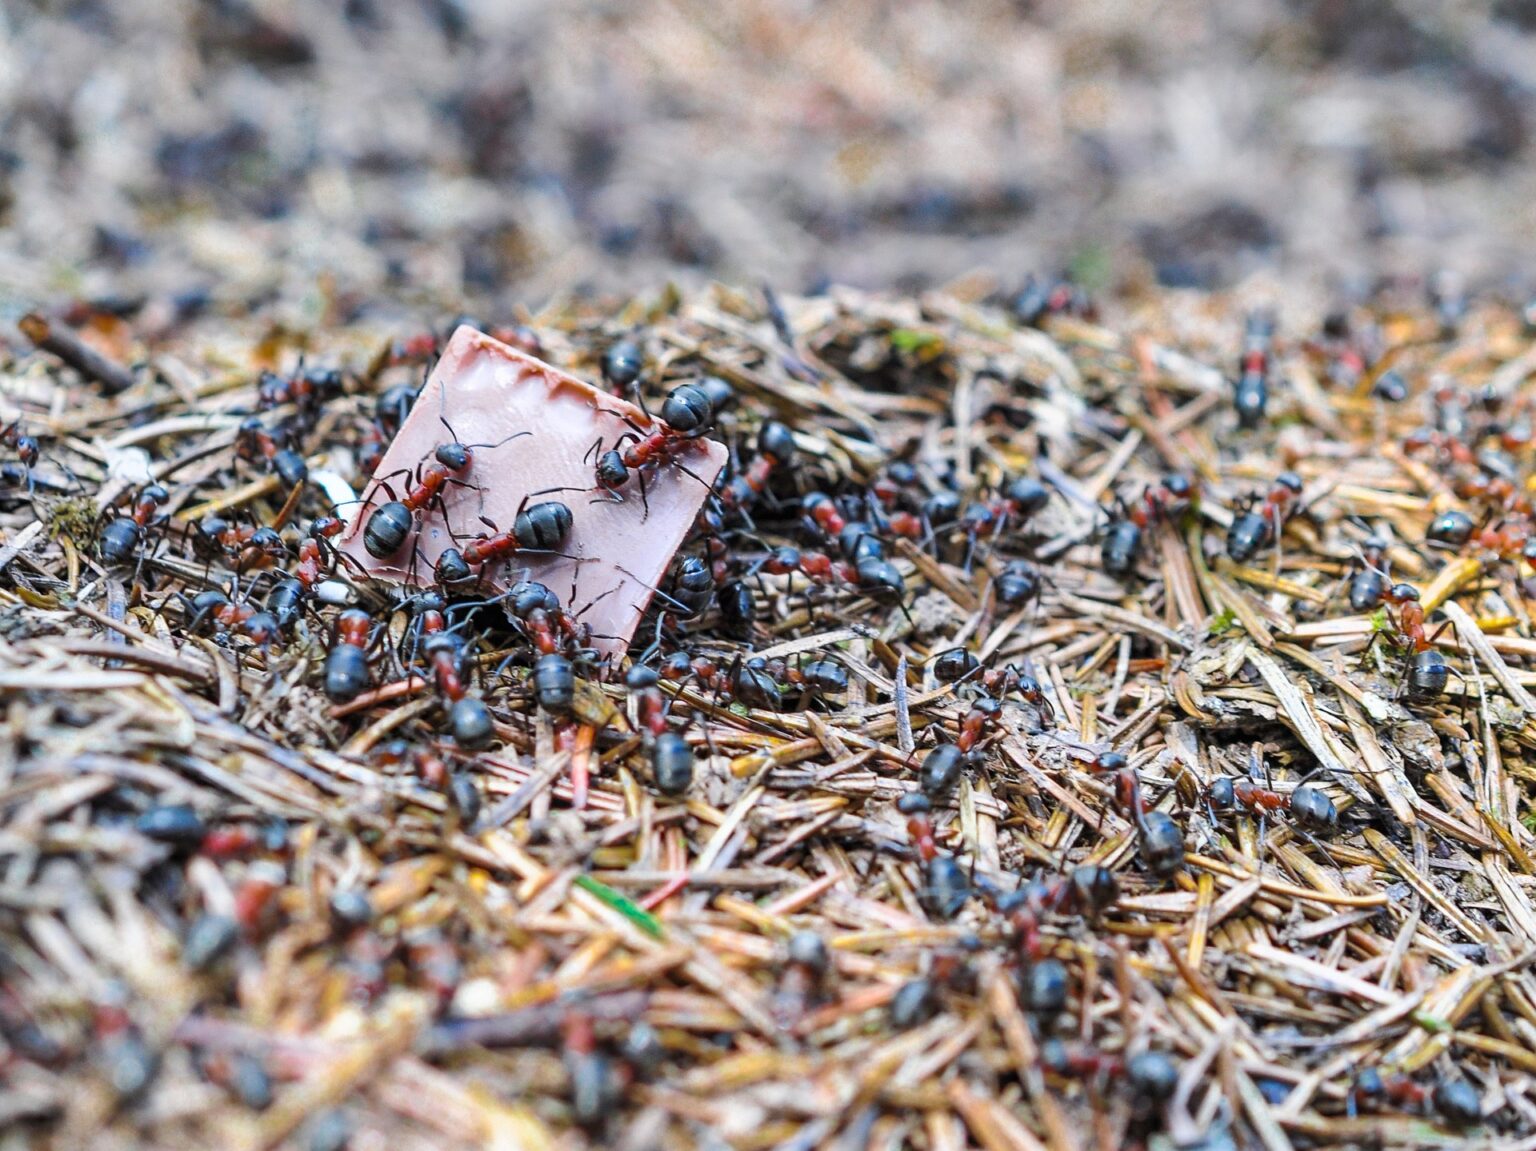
(625, 906)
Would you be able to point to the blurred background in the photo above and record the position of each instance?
(492, 152)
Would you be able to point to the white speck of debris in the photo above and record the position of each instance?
(338, 493)
(129, 466)
(335, 593)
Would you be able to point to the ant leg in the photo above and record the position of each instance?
(687, 471)
(648, 653)
(644, 504)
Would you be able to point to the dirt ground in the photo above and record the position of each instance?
(436, 151)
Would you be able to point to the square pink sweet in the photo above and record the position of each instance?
(616, 553)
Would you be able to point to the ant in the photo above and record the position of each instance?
(1455, 1100)
(1308, 805)
(671, 757)
(306, 390)
(346, 663)
(957, 665)
(389, 412)
(1251, 530)
(1163, 501)
(253, 442)
(1368, 586)
(1250, 395)
(748, 682)
(546, 623)
(775, 449)
(942, 768)
(822, 515)
(469, 720)
(1041, 299)
(233, 618)
(816, 680)
(946, 887)
(686, 414)
(975, 724)
(428, 765)
(1087, 891)
(1021, 500)
(1409, 620)
(26, 447)
(242, 546)
(818, 567)
(317, 556)
(542, 527)
(623, 363)
(122, 536)
(1161, 839)
(1121, 548)
(1019, 583)
(805, 973)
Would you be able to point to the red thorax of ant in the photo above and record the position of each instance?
(1163, 501)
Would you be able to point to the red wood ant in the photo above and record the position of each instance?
(686, 415)
(1161, 840)
(1251, 394)
(550, 627)
(121, 537)
(254, 443)
(775, 449)
(823, 514)
(917, 807)
(315, 554)
(232, 618)
(805, 973)
(26, 447)
(1310, 806)
(1252, 529)
(243, 546)
(469, 720)
(542, 527)
(306, 390)
(346, 663)
(815, 566)
(1455, 1100)
(1088, 891)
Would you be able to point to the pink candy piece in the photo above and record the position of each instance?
(615, 554)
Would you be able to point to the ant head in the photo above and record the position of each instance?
(776, 441)
(455, 456)
(424, 602)
(640, 677)
(1028, 494)
(1110, 761)
(1404, 593)
(1290, 481)
(1178, 485)
(676, 665)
